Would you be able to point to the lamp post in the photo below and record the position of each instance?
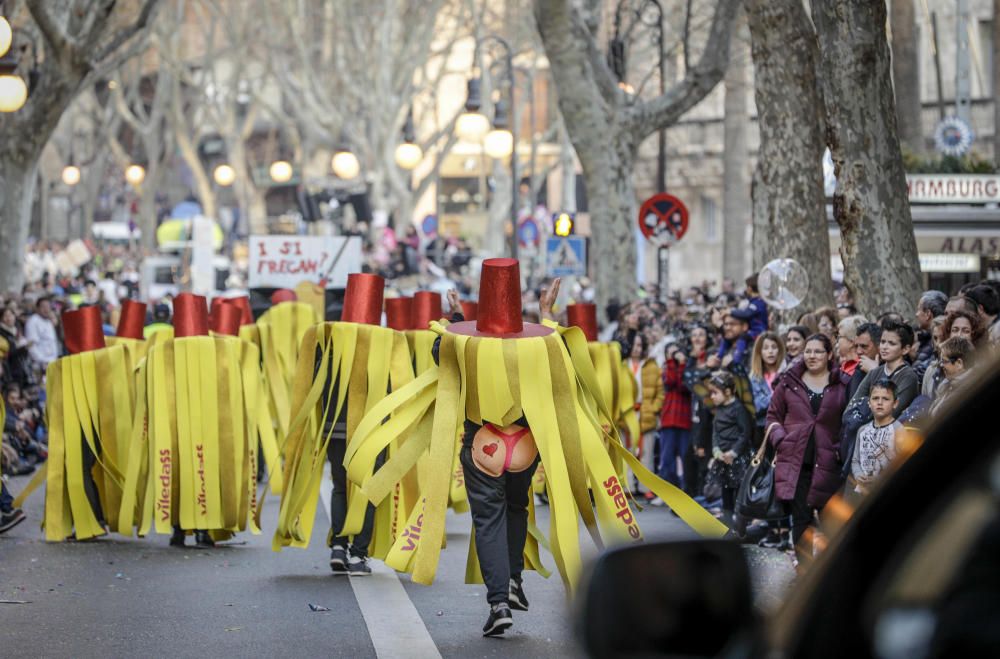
(618, 60)
(498, 137)
(408, 153)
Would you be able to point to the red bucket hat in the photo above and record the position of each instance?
(83, 330)
(499, 312)
(363, 299)
(132, 320)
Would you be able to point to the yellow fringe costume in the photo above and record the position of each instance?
(90, 398)
(552, 385)
(278, 334)
(365, 361)
(193, 455)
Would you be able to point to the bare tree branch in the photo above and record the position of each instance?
(645, 117)
(55, 37)
(118, 40)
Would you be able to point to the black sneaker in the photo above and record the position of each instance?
(516, 597)
(11, 519)
(775, 541)
(203, 539)
(499, 620)
(338, 560)
(178, 537)
(357, 566)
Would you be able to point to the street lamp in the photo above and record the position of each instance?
(408, 153)
(504, 140)
(280, 171)
(135, 174)
(6, 36)
(618, 61)
(499, 142)
(224, 175)
(472, 124)
(71, 175)
(13, 91)
(345, 164)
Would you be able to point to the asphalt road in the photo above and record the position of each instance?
(131, 597)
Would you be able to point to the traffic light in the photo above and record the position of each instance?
(563, 224)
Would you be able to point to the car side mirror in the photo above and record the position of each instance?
(669, 599)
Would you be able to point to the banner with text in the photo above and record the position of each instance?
(286, 261)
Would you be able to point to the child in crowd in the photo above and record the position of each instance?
(732, 429)
(756, 304)
(876, 443)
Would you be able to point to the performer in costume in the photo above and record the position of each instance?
(89, 408)
(278, 335)
(344, 369)
(518, 388)
(192, 457)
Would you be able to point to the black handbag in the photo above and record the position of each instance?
(756, 499)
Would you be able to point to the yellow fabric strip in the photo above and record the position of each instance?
(448, 410)
(686, 508)
(57, 511)
(539, 408)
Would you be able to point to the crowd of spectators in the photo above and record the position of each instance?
(720, 374)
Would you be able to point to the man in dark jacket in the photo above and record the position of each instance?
(866, 346)
(931, 304)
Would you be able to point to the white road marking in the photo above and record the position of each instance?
(395, 627)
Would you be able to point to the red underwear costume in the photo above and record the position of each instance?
(518, 455)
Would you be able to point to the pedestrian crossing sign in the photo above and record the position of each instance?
(566, 257)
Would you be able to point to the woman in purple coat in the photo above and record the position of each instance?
(804, 421)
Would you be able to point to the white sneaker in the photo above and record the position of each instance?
(657, 502)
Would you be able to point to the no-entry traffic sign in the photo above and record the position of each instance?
(663, 219)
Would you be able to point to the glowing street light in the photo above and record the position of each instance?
(408, 153)
(345, 164)
(281, 171)
(71, 175)
(135, 174)
(6, 36)
(224, 175)
(472, 125)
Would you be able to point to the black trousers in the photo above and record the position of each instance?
(800, 513)
(499, 507)
(338, 501)
(89, 486)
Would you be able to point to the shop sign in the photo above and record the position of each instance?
(953, 188)
(939, 262)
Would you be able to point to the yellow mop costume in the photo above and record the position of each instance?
(278, 333)
(496, 371)
(192, 461)
(344, 369)
(89, 427)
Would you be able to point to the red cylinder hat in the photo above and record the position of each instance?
(426, 308)
(225, 317)
(363, 299)
(213, 308)
(399, 313)
(584, 316)
(283, 295)
(82, 330)
(190, 315)
(470, 309)
(132, 319)
(243, 303)
(499, 307)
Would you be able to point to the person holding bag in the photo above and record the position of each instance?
(806, 407)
